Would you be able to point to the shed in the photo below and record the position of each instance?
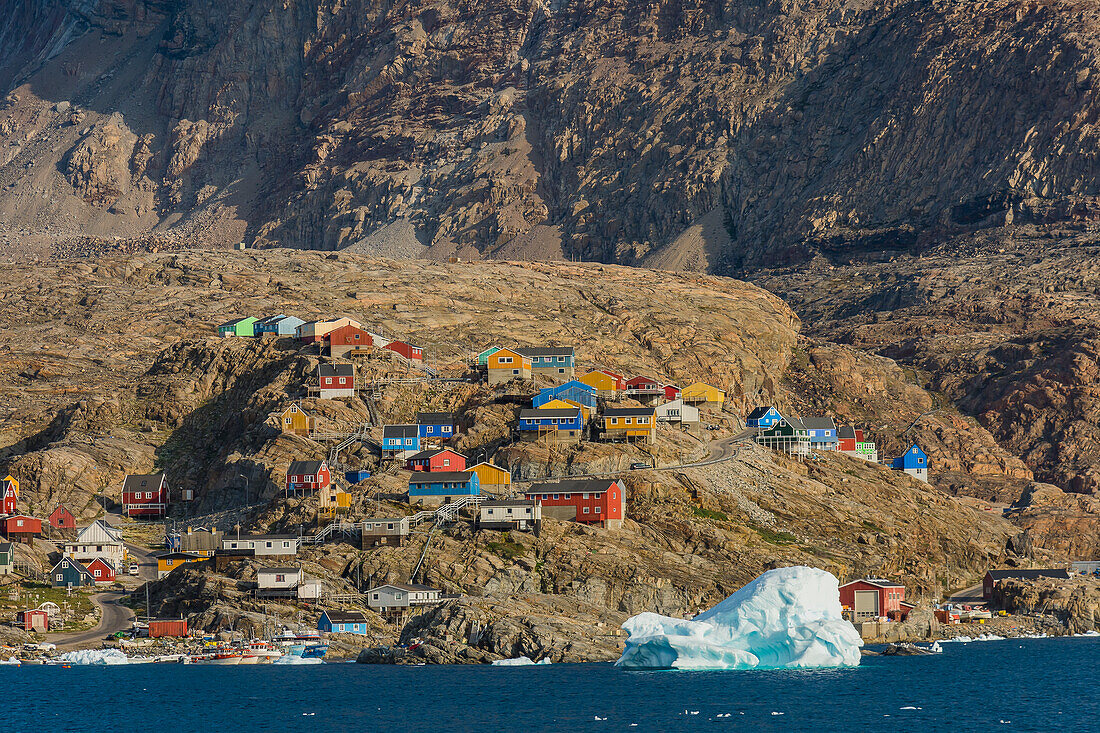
(62, 518)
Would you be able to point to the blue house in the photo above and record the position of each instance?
(763, 417)
(343, 622)
(554, 425)
(438, 425)
(68, 573)
(822, 432)
(914, 462)
(444, 484)
(280, 325)
(400, 441)
(573, 391)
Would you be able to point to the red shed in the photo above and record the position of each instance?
(21, 528)
(440, 459)
(145, 496)
(102, 571)
(870, 598)
(167, 627)
(847, 437)
(62, 518)
(410, 352)
(672, 392)
(35, 619)
(589, 501)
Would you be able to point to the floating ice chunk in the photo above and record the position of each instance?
(789, 617)
(290, 659)
(519, 662)
(968, 639)
(94, 656)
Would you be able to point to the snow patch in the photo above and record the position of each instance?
(519, 662)
(786, 618)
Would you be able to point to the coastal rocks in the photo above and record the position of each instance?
(1074, 602)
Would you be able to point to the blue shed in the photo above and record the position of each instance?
(763, 417)
(354, 477)
(444, 483)
(343, 622)
(573, 390)
(280, 325)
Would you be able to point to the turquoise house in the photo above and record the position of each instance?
(444, 484)
(343, 622)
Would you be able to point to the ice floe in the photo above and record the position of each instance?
(968, 639)
(290, 659)
(786, 618)
(94, 656)
(519, 662)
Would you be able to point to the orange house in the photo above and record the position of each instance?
(506, 365)
(347, 338)
(606, 384)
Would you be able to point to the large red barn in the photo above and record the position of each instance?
(870, 598)
(21, 528)
(590, 501)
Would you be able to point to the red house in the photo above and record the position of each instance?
(589, 501)
(439, 459)
(62, 518)
(643, 385)
(869, 598)
(307, 477)
(145, 495)
(35, 619)
(847, 437)
(102, 571)
(21, 528)
(10, 495)
(342, 340)
(672, 392)
(410, 352)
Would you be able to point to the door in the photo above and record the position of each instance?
(866, 602)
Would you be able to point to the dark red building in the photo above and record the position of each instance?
(589, 501)
(62, 518)
(346, 338)
(145, 495)
(410, 352)
(847, 437)
(439, 459)
(307, 477)
(21, 528)
(869, 598)
(102, 571)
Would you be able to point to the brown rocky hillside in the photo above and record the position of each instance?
(681, 133)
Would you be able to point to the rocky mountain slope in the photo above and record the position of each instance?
(680, 133)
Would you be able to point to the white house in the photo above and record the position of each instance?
(98, 539)
(286, 583)
(677, 412)
(397, 598)
(263, 544)
(522, 514)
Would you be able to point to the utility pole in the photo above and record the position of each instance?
(241, 475)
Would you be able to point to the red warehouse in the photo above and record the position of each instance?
(440, 459)
(307, 477)
(590, 501)
(21, 528)
(410, 352)
(145, 496)
(869, 598)
(62, 518)
(35, 619)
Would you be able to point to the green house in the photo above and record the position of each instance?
(239, 327)
(483, 357)
(789, 435)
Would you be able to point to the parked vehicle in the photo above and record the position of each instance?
(133, 569)
(637, 466)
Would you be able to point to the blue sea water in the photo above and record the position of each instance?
(1011, 685)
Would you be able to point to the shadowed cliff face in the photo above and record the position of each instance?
(707, 135)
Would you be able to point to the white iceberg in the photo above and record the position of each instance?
(290, 659)
(519, 662)
(786, 618)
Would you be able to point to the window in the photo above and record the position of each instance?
(308, 479)
(629, 420)
(59, 577)
(289, 421)
(232, 545)
(18, 522)
(556, 496)
(515, 371)
(389, 526)
(561, 358)
(505, 360)
(586, 510)
(509, 510)
(446, 461)
(376, 596)
(280, 578)
(584, 496)
(286, 544)
(408, 441)
(561, 371)
(268, 544)
(597, 510)
(643, 421)
(343, 380)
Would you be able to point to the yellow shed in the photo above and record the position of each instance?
(600, 381)
(492, 477)
(295, 420)
(700, 392)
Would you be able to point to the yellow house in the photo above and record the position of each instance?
(169, 561)
(505, 365)
(703, 393)
(492, 477)
(629, 424)
(295, 420)
(334, 500)
(567, 405)
(604, 384)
